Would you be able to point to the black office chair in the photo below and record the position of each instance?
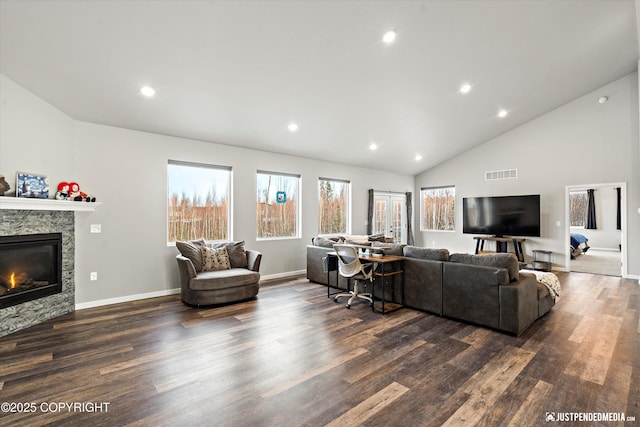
(349, 266)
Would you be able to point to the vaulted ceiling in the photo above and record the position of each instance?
(239, 72)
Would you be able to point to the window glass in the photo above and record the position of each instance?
(438, 208)
(198, 201)
(578, 208)
(277, 199)
(333, 206)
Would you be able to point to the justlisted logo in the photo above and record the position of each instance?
(550, 417)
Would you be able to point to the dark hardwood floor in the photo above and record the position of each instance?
(292, 357)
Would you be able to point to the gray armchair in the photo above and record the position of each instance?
(222, 286)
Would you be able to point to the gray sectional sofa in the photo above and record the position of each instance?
(487, 290)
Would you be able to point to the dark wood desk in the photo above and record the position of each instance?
(386, 270)
(501, 245)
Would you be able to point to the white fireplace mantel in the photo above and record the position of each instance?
(21, 203)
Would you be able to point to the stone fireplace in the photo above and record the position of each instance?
(54, 292)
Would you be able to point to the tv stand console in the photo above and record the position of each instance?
(501, 245)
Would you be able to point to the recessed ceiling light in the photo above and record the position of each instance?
(502, 113)
(418, 157)
(465, 88)
(603, 99)
(389, 36)
(373, 146)
(147, 91)
(293, 127)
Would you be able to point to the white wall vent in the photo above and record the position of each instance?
(503, 174)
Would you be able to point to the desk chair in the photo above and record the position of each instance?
(349, 266)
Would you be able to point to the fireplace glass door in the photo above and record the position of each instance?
(30, 267)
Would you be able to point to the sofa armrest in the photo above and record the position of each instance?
(519, 304)
(187, 272)
(186, 267)
(315, 267)
(253, 260)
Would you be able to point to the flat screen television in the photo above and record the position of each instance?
(502, 216)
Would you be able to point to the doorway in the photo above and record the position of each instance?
(601, 250)
(390, 216)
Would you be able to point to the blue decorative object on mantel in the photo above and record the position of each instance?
(281, 197)
(32, 186)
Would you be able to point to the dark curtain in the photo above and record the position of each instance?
(370, 214)
(618, 217)
(591, 211)
(409, 220)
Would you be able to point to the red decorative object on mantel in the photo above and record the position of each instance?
(71, 191)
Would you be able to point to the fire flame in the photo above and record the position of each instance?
(12, 280)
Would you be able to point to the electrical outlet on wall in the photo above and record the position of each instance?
(94, 275)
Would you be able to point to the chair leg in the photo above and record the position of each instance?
(354, 295)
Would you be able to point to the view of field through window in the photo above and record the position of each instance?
(438, 208)
(198, 201)
(276, 205)
(333, 199)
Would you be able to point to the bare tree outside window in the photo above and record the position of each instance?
(333, 199)
(198, 201)
(578, 208)
(438, 209)
(276, 205)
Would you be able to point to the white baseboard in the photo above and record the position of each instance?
(283, 275)
(128, 298)
(605, 249)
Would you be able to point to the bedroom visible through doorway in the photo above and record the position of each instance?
(596, 233)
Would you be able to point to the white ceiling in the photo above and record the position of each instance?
(237, 72)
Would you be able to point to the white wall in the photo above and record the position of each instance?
(35, 137)
(603, 136)
(126, 171)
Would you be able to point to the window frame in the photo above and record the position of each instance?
(423, 191)
(229, 191)
(347, 210)
(298, 208)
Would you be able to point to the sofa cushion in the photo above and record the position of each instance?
(389, 248)
(499, 260)
(236, 251)
(324, 242)
(191, 249)
(426, 253)
(222, 279)
(357, 242)
(354, 239)
(214, 259)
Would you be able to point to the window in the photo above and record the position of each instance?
(333, 206)
(438, 208)
(277, 204)
(198, 201)
(578, 208)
